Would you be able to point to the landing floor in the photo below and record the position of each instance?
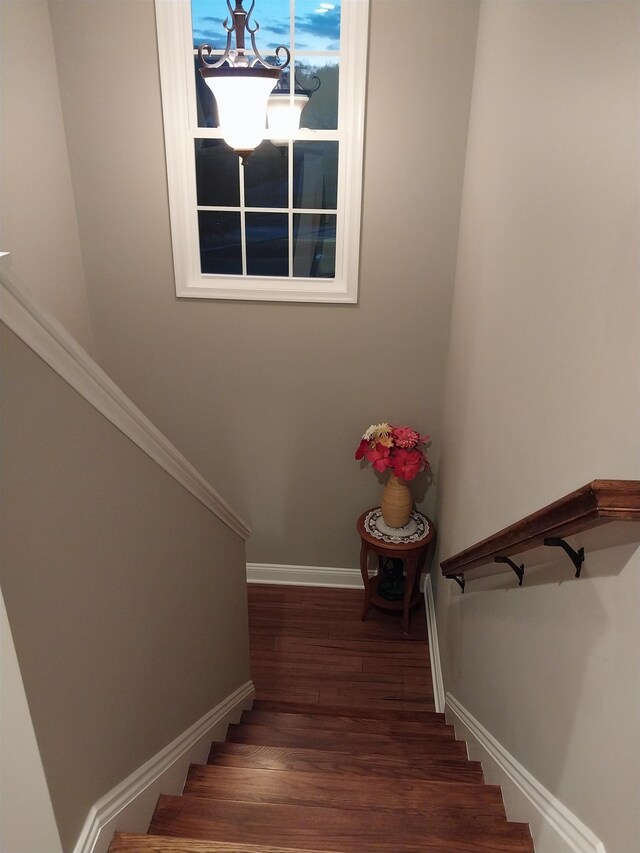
(309, 644)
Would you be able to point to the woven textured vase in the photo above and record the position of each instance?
(396, 503)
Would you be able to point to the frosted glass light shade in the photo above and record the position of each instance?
(241, 95)
(283, 115)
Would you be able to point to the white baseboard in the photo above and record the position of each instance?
(304, 575)
(554, 828)
(434, 648)
(128, 807)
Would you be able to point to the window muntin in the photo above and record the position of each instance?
(286, 225)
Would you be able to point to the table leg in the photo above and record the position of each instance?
(364, 571)
(411, 564)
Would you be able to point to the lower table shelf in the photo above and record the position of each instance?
(385, 603)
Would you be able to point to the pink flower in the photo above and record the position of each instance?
(398, 448)
(407, 464)
(379, 457)
(363, 447)
(405, 437)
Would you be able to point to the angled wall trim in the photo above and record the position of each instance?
(128, 807)
(49, 340)
(434, 648)
(547, 815)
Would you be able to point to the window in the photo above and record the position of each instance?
(286, 226)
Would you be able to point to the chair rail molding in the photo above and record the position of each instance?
(48, 339)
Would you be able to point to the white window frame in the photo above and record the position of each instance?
(175, 49)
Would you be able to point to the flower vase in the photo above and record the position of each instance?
(396, 503)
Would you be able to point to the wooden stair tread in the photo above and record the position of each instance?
(364, 713)
(390, 689)
(432, 799)
(324, 626)
(373, 744)
(322, 661)
(129, 842)
(317, 760)
(343, 653)
(284, 719)
(331, 646)
(354, 831)
(397, 698)
(272, 676)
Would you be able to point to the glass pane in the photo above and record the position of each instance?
(217, 174)
(205, 102)
(266, 176)
(275, 25)
(319, 78)
(317, 25)
(267, 243)
(315, 175)
(220, 242)
(314, 245)
(207, 17)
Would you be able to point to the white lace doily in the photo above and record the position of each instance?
(414, 530)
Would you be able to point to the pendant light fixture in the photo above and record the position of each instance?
(284, 110)
(241, 84)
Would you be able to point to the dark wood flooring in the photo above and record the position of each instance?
(309, 644)
(342, 751)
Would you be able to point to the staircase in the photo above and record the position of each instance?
(296, 777)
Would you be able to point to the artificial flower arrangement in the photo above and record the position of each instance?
(398, 448)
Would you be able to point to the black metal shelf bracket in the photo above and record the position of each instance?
(459, 579)
(576, 557)
(519, 570)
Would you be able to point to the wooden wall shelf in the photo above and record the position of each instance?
(603, 513)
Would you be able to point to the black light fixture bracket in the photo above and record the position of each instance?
(283, 86)
(576, 557)
(236, 57)
(519, 570)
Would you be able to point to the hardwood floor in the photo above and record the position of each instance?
(309, 645)
(342, 751)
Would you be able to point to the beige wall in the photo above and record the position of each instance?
(38, 223)
(126, 597)
(543, 395)
(27, 822)
(269, 400)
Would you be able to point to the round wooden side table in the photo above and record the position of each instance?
(410, 544)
